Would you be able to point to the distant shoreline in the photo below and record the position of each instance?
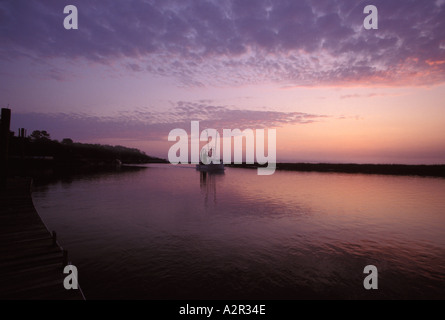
(387, 169)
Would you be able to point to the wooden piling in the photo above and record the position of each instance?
(4, 141)
(54, 235)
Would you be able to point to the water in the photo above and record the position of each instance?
(168, 232)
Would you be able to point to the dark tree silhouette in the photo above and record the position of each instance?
(40, 135)
(67, 141)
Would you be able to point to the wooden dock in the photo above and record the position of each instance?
(31, 261)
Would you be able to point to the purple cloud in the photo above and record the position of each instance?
(293, 43)
(143, 124)
(369, 95)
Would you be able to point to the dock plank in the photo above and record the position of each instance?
(31, 266)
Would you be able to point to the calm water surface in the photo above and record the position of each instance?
(167, 232)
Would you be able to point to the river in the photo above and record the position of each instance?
(170, 232)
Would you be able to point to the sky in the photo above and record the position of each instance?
(135, 70)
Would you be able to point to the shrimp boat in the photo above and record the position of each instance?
(211, 167)
(206, 162)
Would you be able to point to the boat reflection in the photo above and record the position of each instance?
(207, 182)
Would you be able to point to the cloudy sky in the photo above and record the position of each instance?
(134, 70)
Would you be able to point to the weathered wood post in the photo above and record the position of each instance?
(54, 237)
(22, 137)
(4, 142)
(65, 258)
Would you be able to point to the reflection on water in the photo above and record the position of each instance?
(208, 182)
(174, 232)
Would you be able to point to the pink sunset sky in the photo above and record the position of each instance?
(134, 70)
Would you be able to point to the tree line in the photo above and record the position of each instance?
(40, 145)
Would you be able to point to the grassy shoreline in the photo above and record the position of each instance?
(387, 169)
